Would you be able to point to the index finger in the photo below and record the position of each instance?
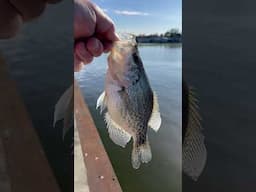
(105, 29)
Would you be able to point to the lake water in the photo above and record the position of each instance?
(163, 67)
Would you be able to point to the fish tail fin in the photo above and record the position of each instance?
(145, 153)
(194, 155)
(141, 154)
(194, 151)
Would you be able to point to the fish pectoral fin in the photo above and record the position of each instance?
(118, 135)
(63, 105)
(101, 102)
(155, 119)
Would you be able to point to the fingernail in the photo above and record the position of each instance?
(96, 46)
(80, 48)
(83, 53)
(77, 66)
(117, 36)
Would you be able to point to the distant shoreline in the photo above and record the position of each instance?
(168, 44)
(159, 39)
(160, 43)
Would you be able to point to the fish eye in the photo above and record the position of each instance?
(136, 57)
(122, 88)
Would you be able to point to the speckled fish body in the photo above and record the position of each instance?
(131, 104)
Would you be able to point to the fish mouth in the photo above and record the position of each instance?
(119, 56)
(124, 48)
(121, 53)
(116, 56)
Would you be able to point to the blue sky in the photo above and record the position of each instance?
(143, 16)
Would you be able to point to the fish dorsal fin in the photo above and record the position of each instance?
(155, 119)
(116, 133)
(101, 102)
(194, 153)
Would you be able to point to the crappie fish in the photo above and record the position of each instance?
(194, 152)
(132, 106)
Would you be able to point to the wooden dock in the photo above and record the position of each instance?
(99, 171)
(23, 164)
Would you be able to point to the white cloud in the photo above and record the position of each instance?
(130, 13)
(105, 10)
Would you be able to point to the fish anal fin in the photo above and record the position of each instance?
(155, 119)
(118, 135)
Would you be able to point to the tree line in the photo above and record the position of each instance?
(170, 33)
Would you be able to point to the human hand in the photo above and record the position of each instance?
(94, 32)
(13, 13)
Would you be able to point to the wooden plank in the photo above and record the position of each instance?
(27, 166)
(100, 174)
(80, 172)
